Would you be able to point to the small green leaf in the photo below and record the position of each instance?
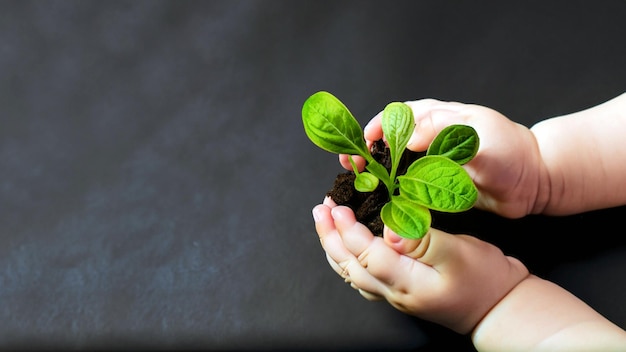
(379, 171)
(440, 184)
(365, 182)
(397, 123)
(329, 124)
(457, 142)
(406, 218)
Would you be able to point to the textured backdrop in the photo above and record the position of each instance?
(156, 183)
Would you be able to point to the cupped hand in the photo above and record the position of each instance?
(508, 170)
(452, 280)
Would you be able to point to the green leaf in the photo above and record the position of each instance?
(439, 183)
(457, 142)
(397, 123)
(379, 171)
(382, 174)
(406, 218)
(329, 124)
(365, 182)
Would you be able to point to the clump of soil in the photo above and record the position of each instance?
(367, 205)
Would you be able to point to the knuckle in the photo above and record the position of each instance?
(363, 258)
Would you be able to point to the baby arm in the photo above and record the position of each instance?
(585, 155)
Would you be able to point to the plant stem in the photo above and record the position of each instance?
(378, 170)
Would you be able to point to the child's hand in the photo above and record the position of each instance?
(508, 170)
(452, 280)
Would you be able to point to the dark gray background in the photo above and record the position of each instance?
(156, 183)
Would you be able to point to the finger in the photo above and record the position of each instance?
(389, 271)
(373, 130)
(358, 240)
(341, 271)
(324, 224)
(344, 160)
(450, 253)
(405, 246)
(356, 236)
(347, 265)
(436, 247)
(431, 116)
(339, 258)
(446, 252)
(399, 272)
(330, 239)
(329, 202)
(370, 296)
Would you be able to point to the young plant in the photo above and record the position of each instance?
(435, 181)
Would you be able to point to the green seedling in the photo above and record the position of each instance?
(436, 181)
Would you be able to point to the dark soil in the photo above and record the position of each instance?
(367, 206)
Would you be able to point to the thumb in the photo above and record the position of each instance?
(431, 116)
(409, 247)
(435, 248)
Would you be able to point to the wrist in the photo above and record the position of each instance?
(490, 333)
(582, 160)
(546, 183)
(540, 315)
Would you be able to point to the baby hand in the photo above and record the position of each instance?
(508, 169)
(452, 280)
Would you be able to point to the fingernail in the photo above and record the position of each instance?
(391, 236)
(395, 238)
(336, 213)
(316, 214)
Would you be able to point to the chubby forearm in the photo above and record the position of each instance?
(538, 315)
(584, 154)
